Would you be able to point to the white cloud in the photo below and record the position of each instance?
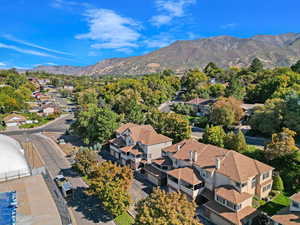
(159, 41)
(110, 30)
(51, 64)
(26, 51)
(2, 64)
(59, 4)
(229, 26)
(12, 38)
(169, 10)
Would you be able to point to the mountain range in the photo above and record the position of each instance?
(224, 51)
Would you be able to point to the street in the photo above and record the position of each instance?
(85, 209)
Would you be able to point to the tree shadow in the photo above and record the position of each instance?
(89, 205)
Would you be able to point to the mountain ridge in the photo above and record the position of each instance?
(225, 50)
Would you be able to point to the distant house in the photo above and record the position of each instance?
(201, 105)
(49, 109)
(68, 87)
(289, 215)
(14, 120)
(136, 145)
(249, 108)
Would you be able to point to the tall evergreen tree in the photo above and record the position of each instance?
(296, 67)
(256, 65)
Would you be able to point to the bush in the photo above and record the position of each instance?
(278, 184)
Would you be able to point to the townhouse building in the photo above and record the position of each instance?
(222, 181)
(137, 145)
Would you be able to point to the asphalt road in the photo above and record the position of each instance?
(85, 209)
(59, 125)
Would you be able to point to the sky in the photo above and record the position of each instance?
(83, 32)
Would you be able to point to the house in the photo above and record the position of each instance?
(68, 87)
(222, 181)
(14, 120)
(249, 108)
(201, 105)
(136, 145)
(49, 109)
(289, 215)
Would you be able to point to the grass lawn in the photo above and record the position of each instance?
(279, 202)
(124, 219)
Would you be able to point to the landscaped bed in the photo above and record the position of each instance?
(124, 219)
(277, 203)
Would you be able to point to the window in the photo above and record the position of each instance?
(221, 200)
(203, 173)
(198, 186)
(266, 188)
(244, 184)
(237, 184)
(253, 182)
(296, 204)
(230, 205)
(266, 175)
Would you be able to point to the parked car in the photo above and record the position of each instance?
(64, 185)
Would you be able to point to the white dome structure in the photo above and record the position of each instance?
(12, 160)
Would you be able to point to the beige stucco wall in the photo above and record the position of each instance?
(155, 150)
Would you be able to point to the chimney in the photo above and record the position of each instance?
(178, 147)
(195, 156)
(218, 163)
(191, 156)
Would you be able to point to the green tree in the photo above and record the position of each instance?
(256, 65)
(161, 208)
(296, 67)
(111, 183)
(278, 183)
(235, 142)
(217, 90)
(173, 125)
(193, 78)
(222, 115)
(268, 119)
(214, 135)
(235, 89)
(15, 80)
(282, 144)
(291, 112)
(183, 109)
(95, 125)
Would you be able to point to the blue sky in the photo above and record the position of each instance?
(82, 32)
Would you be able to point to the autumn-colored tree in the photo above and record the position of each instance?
(161, 208)
(282, 144)
(214, 135)
(85, 159)
(226, 111)
(111, 183)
